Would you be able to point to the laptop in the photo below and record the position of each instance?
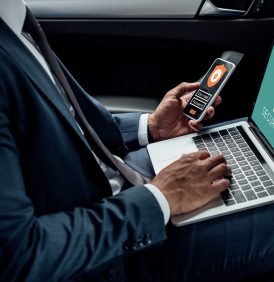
(247, 145)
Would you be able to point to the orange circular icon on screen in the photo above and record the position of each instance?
(216, 75)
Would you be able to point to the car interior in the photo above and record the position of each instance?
(129, 53)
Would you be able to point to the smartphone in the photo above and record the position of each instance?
(211, 85)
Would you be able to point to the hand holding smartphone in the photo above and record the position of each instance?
(211, 85)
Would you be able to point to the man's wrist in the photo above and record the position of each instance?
(153, 132)
(149, 136)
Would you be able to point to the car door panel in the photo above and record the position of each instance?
(116, 8)
(142, 55)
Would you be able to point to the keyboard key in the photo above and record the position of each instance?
(237, 154)
(236, 171)
(224, 132)
(229, 157)
(232, 145)
(234, 166)
(225, 153)
(245, 150)
(232, 129)
(227, 137)
(211, 149)
(218, 140)
(234, 133)
(248, 154)
(252, 178)
(202, 145)
(250, 195)
(214, 135)
(262, 194)
(240, 158)
(226, 195)
(229, 202)
(206, 137)
(255, 183)
(260, 172)
(229, 141)
(231, 162)
(215, 153)
(238, 196)
(220, 144)
(267, 183)
(196, 138)
(233, 187)
(270, 190)
(199, 141)
(257, 168)
(249, 173)
(259, 189)
(245, 168)
(223, 149)
(264, 178)
(239, 176)
(233, 150)
(210, 144)
(250, 159)
(237, 137)
(243, 145)
(243, 163)
(253, 163)
(242, 182)
(246, 187)
(232, 181)
(239, 141)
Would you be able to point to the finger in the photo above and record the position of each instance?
(200, 155)
(215, 161)
(220, 185)
(210, 113)
(196, 126)
(219, 171)
(211, 110)
(183, 89)
(217, 101)
(203, 155)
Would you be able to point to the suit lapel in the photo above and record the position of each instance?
(36, 73)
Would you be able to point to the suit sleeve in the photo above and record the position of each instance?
(129, 125)
(59, 246)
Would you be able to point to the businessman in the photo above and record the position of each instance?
(71, 210)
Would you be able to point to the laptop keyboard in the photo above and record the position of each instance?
(249, 179)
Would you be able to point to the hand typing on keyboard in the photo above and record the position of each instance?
(193, 181)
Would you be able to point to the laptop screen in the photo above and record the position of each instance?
(263, 113)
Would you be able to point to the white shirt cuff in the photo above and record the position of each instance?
(142, 130)
(161, 199)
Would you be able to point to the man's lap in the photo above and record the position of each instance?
(140, 161)
(230, 248)
(234, 247)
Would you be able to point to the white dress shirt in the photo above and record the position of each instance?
(13, 12)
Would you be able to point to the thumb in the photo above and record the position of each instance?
(184, 88)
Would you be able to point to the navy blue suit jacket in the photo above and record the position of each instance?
(58, 220)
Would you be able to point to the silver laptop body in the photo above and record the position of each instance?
(248, 148)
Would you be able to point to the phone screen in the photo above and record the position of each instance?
(210, 87)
